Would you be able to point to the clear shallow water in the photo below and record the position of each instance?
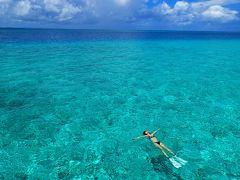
(69, 107)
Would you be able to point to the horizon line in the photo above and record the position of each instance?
(119, 30)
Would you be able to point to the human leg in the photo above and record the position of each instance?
(163, 151)
(165, 147)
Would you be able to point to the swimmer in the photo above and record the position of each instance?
(158, 144)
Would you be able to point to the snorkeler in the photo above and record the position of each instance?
(176, 161)
(158, 144)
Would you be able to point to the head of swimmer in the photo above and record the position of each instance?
(146, 133)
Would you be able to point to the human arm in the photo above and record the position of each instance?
(156, 131)
(139, 137)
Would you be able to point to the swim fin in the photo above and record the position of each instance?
(180, 160)
(175, 163)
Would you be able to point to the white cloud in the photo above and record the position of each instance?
(62, 8)
(164, 9)
(114, 12)
(208, 3)
(181, 6)
(180, 14)
(22, 8)
(52, 5)
(184, 13)
(68, 12)
(220, 13)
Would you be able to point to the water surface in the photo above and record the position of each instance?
(71, 101)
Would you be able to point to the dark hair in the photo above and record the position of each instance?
(144, 132)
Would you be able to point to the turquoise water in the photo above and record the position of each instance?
(69, 109)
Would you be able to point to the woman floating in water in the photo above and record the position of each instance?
(158, 144)
(176, 161)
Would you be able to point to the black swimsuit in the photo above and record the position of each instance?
(158, 142)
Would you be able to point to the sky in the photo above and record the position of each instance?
(206, 15)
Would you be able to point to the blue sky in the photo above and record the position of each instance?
(222, 15)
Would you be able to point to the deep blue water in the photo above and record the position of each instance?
(72, 100)
(49, 35)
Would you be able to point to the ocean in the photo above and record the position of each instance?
(72, 100)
